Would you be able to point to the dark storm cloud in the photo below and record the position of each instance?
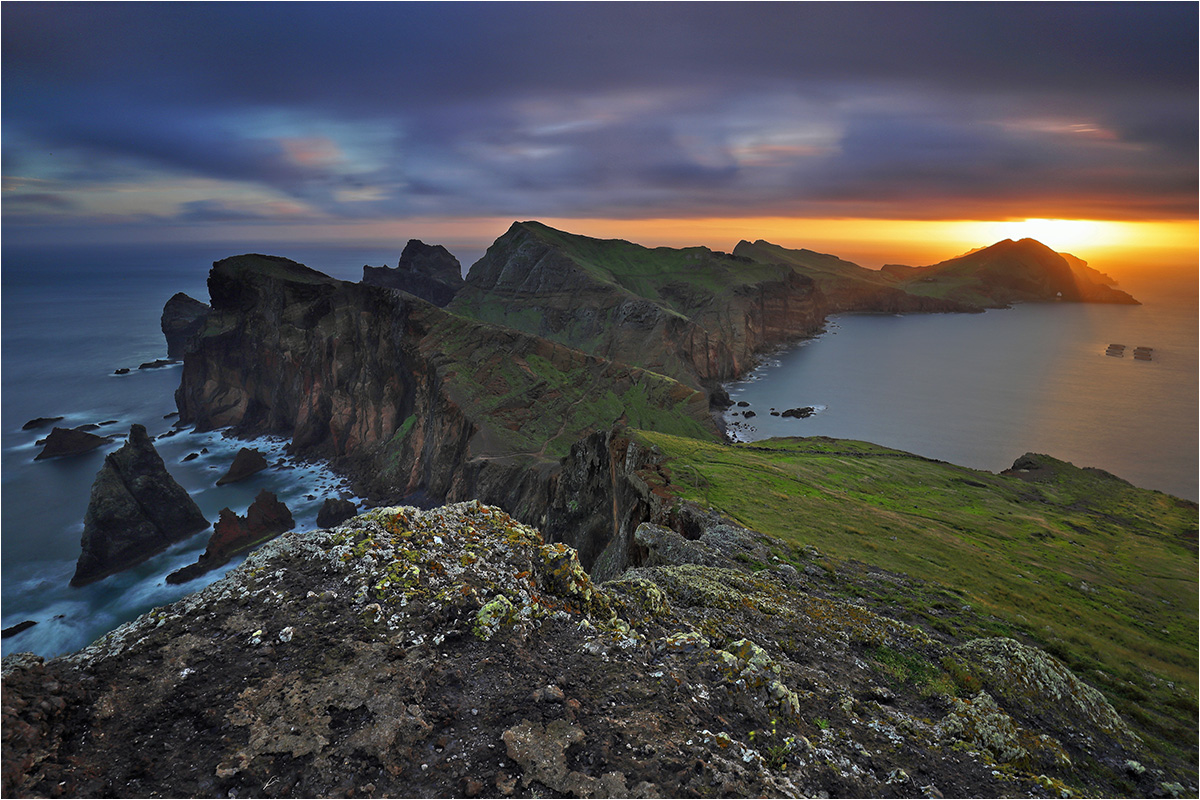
(378, 109)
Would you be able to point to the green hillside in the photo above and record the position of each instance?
(1098, 572)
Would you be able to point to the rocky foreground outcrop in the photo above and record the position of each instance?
(136, 509)
(428, 271)
(452, 652)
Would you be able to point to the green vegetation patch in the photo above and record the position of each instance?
(532, 397)
(1099, 573)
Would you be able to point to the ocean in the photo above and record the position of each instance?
(71, 316)
(978, 390)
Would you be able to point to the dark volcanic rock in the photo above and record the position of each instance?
(452, 652)
(335, 511)
(400, 394)
(247, 462)
(266, 518)
(799, 413)
(69, 442)
(157, 363)
(39, 422)
(13, 630)
(136, 510)
(428, 271)
(182, 318)
(121, 371)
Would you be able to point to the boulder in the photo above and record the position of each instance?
(157, 363)
(69, 442)
(334, 511)
(136, 510)
(182, 318)
(799, 413)
(247, 462)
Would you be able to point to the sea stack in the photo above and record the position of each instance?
(182, 318)
(430, 272)
(266, 518)
(136, 510)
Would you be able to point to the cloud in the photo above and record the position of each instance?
(376, 111)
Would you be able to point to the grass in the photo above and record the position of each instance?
(1099, 573)
(536, 398)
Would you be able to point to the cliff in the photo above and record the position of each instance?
(694, 314)
(428, 271)
(847, 286)
(453, 653)
(405, 396)
(1009, 272)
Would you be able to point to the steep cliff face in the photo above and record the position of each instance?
(694, 314)
(428, 271)
(182, 318)
(404, 396)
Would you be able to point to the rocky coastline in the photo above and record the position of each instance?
(564, 616)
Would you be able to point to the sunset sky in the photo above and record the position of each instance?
(880, 132)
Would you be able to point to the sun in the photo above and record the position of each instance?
(1057, 234)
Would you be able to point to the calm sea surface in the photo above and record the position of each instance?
(978, 390)
(982, 389)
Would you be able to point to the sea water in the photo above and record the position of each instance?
(71, 317)
(980, 390)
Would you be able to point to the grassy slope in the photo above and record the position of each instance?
(538, 398)
(821, 267)
(1100, 573)
(644, 271)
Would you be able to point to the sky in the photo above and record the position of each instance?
(886, 132)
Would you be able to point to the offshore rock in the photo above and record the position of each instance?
(136, 510)
(247, 462)
(428, 271)
(70, 442)
(452, 652)
(266, 518)
(39, 422)
(334, 511)
(182, 318)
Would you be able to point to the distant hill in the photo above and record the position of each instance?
(846, 285)
(1008, 272)
(988, 277)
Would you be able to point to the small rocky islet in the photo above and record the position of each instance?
(613, 631)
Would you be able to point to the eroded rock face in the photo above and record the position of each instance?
(452, 652)
(402, 395)
(266, 518)
(428, 271)
(136, 510)
(182, 318)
